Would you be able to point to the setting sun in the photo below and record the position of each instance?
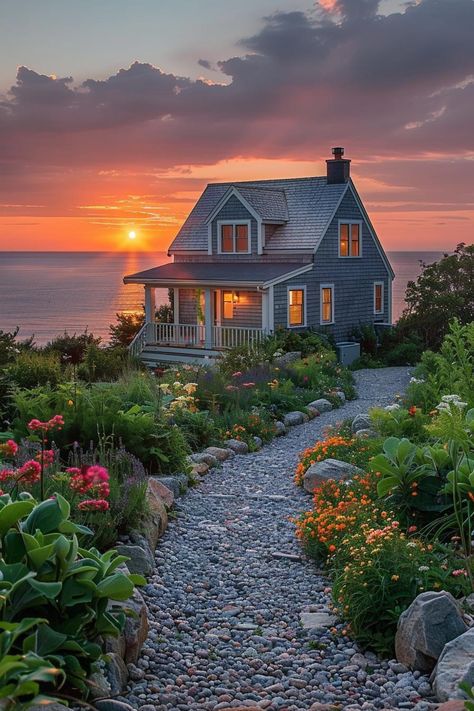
(132, 235)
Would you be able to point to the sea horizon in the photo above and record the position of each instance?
(48, 292)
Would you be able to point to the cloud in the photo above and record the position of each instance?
(382, 85)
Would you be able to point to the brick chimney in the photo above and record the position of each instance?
(338, 168)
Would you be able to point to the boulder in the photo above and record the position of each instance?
(98, 685)
(366, 433)
(140, 559)
(312, 412)
(361, 421)
(453, 705)
(287, 358)
(135, 630)
(237, 446)
(455, 665)
(340, 394)
(164, 492)
(432, 620)
(112, 705)
(320, 472)
(292, 419)
(50, 707)
(199, 468)
(280, 429)
(116, 673)
(171, 482)
(219, 453)
(258, 442)
(321, 405)
(155, 522)
(205, 457)
(317, 620)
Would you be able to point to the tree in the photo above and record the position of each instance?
(443, 291)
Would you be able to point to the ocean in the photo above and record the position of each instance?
(47, 293)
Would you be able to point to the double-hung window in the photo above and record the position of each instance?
(297, 307)
(350, 239)
(327, 304)
(378, 297)
(234, 237)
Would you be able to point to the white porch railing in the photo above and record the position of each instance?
(195, 336)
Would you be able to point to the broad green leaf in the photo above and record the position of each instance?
(12, 513)
(48, 590)
(116, 587)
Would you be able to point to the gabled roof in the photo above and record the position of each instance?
(264, 204)
(310, 205)
(259, 274)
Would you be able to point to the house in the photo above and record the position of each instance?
(260, 255)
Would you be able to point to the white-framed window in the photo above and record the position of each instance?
(350, 238)
(233, 236)
(378, 297)
(296, 306)
(327, 304)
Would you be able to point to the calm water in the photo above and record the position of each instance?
(46, 293)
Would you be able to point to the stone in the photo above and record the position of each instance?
(258, 442)
(340, 394)
(116, 673)
(135, 630)
(112, 705)
(455, 665)
(50, 707)
(220, 453)
(140, 560)
(287, 358)
(205, 457)
(432, 620)
(280, 429)
(320, 472)
(164, 492)
(199, 468)
(366, 433)
(155, 522)
(98, 685)
(171, 483)
(312, 412)
(316, 620)
(453, 705)
(237, 446)
(287, 556)
(292, 419)
(361, 421)
(321, 405)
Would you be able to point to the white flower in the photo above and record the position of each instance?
(423, 568)
(411, 544)
(449, 401)
(416, 380)
(392, 408)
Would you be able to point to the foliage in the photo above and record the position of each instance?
(124, 331)
(32, 368)
(352, 450)
(46, 574)
(71, 349)
(400, 422)
(102, 363)
(245, 426)
(244, 358)
(200, 429)
(443, 290)
(305, 342)
(8, 346)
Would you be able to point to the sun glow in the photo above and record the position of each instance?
(132, 234)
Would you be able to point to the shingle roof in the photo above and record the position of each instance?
(310, 204)
(201, 272)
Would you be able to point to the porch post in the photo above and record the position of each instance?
(208, 318)
(149, 311)
(176, 304)
(265, 327)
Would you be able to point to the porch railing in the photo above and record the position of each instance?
(233, 336)
(176, 334)
(194, 335)
(139, 342)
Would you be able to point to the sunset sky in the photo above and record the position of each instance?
(115, 114)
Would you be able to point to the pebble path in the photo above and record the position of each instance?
(225, 604)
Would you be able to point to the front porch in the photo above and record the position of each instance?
(205, 321)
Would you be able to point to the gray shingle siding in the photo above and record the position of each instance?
(234, 210)
(353, 279)
(247, 311)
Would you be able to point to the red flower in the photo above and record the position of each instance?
(93, 505)
(6, 474)
(55, 422)
(93, 479)
(9, 448)
(48, 457)
(30, 472)
(412, 411)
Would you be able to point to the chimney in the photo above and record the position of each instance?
(338, 168)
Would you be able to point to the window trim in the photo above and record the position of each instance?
(333, 305)
(375, 285)
(224, 302)
(220, 223)
(296, 287)
(350, 223)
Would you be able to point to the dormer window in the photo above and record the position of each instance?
(350, 239)
(233, 237)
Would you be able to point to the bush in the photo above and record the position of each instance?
(102, 363)
(71, 349)
(243, 425)
(352, 450)
(244, 358)
(306, 342)
(33, 368)
(199, 428)
(124, 331)
(44, 574)
(400, 422)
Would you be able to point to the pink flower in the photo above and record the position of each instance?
(9, 448)
(93, 505)
(412, 529)
(30, 472)
(55, 422)
(97, 474)
(237, 374)
(48, 457)
(6, 474)
(460, 571)
(248, 385)
(34, 425)
(231, 388)
(93, 479)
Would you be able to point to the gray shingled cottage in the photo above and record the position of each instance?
(260, 255)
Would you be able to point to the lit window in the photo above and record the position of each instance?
(234, 238)
(378, 297)
(296, 307)
(349, 239)
(228, 304)
(327, 304)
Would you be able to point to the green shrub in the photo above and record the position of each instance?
(199, 428)
(124, 331)
(244, 358)
(400, 422)
(32, 368)
(403, 354)
(102, 363)
(71, 349)
(306, 342)
(246, 425)
(46, 574)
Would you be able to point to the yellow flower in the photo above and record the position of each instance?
(395, 578)
(70, 403)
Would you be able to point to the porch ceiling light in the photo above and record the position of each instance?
(236, 297)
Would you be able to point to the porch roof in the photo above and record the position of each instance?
(217, 274)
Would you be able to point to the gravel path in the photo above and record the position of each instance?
(225, 609)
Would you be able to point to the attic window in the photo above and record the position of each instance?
(349, 239)
(233, 237)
